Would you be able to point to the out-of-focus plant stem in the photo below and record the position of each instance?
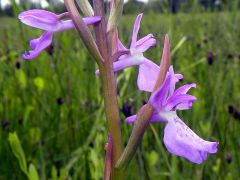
(83, 31)
(85, 7)
(144, 114)
(115, 14)
(105, 45)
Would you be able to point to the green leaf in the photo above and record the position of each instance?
(54, 173)
(18, 151)
(34, 134)
(216, 167)
(152, 158)
(63, 174)
(32, 174)
(21, 78)
(27, 112)
(39, 82)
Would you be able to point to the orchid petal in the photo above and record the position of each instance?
(182, 141)
(127, 61)
(184, 89)
(41, 19)
(154, 118)
(68, 24)
(124, 62)
(144, 39)
(159, 97)
(182, 101)
(91, 20)
(145, 46)
(147, 75)
(38, 45)
(49, 21)
(135, 31)
(131, 119)
(121, 47)
(174, 79)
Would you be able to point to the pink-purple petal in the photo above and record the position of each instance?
(147, 76)
(121, 47)
(38, 45)
(159, 97)
(131, 119)
(183, 100)
(92, 20)
(64, 25)
(49, 21)
(182, 141)
(127, 61)
(34, 42)
(144, 39)
(174, 79)
(146, 45)
(135, 31)
(154, 118)
(184, 89)
(41, 19)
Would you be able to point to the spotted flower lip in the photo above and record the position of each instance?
(50, 23)
(179, 139)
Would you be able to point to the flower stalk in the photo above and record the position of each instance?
(85, 7)
(83, 31)
(104, 42)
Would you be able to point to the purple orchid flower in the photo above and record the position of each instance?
(179, 139)
(50, 23)
(137, 48)
(135, 56)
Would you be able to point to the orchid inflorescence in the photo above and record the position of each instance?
(160, 81)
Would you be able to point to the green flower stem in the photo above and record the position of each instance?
(105, 44)
(112, 112)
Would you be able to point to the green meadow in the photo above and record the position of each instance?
(54, 103)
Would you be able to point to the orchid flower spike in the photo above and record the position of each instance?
(179, 139)
(50, 23)
(137, 48)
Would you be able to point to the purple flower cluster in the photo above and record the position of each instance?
(179, 139)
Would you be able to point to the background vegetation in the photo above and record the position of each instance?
(54, 103)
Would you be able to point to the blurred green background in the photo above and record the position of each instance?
(51, 108)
